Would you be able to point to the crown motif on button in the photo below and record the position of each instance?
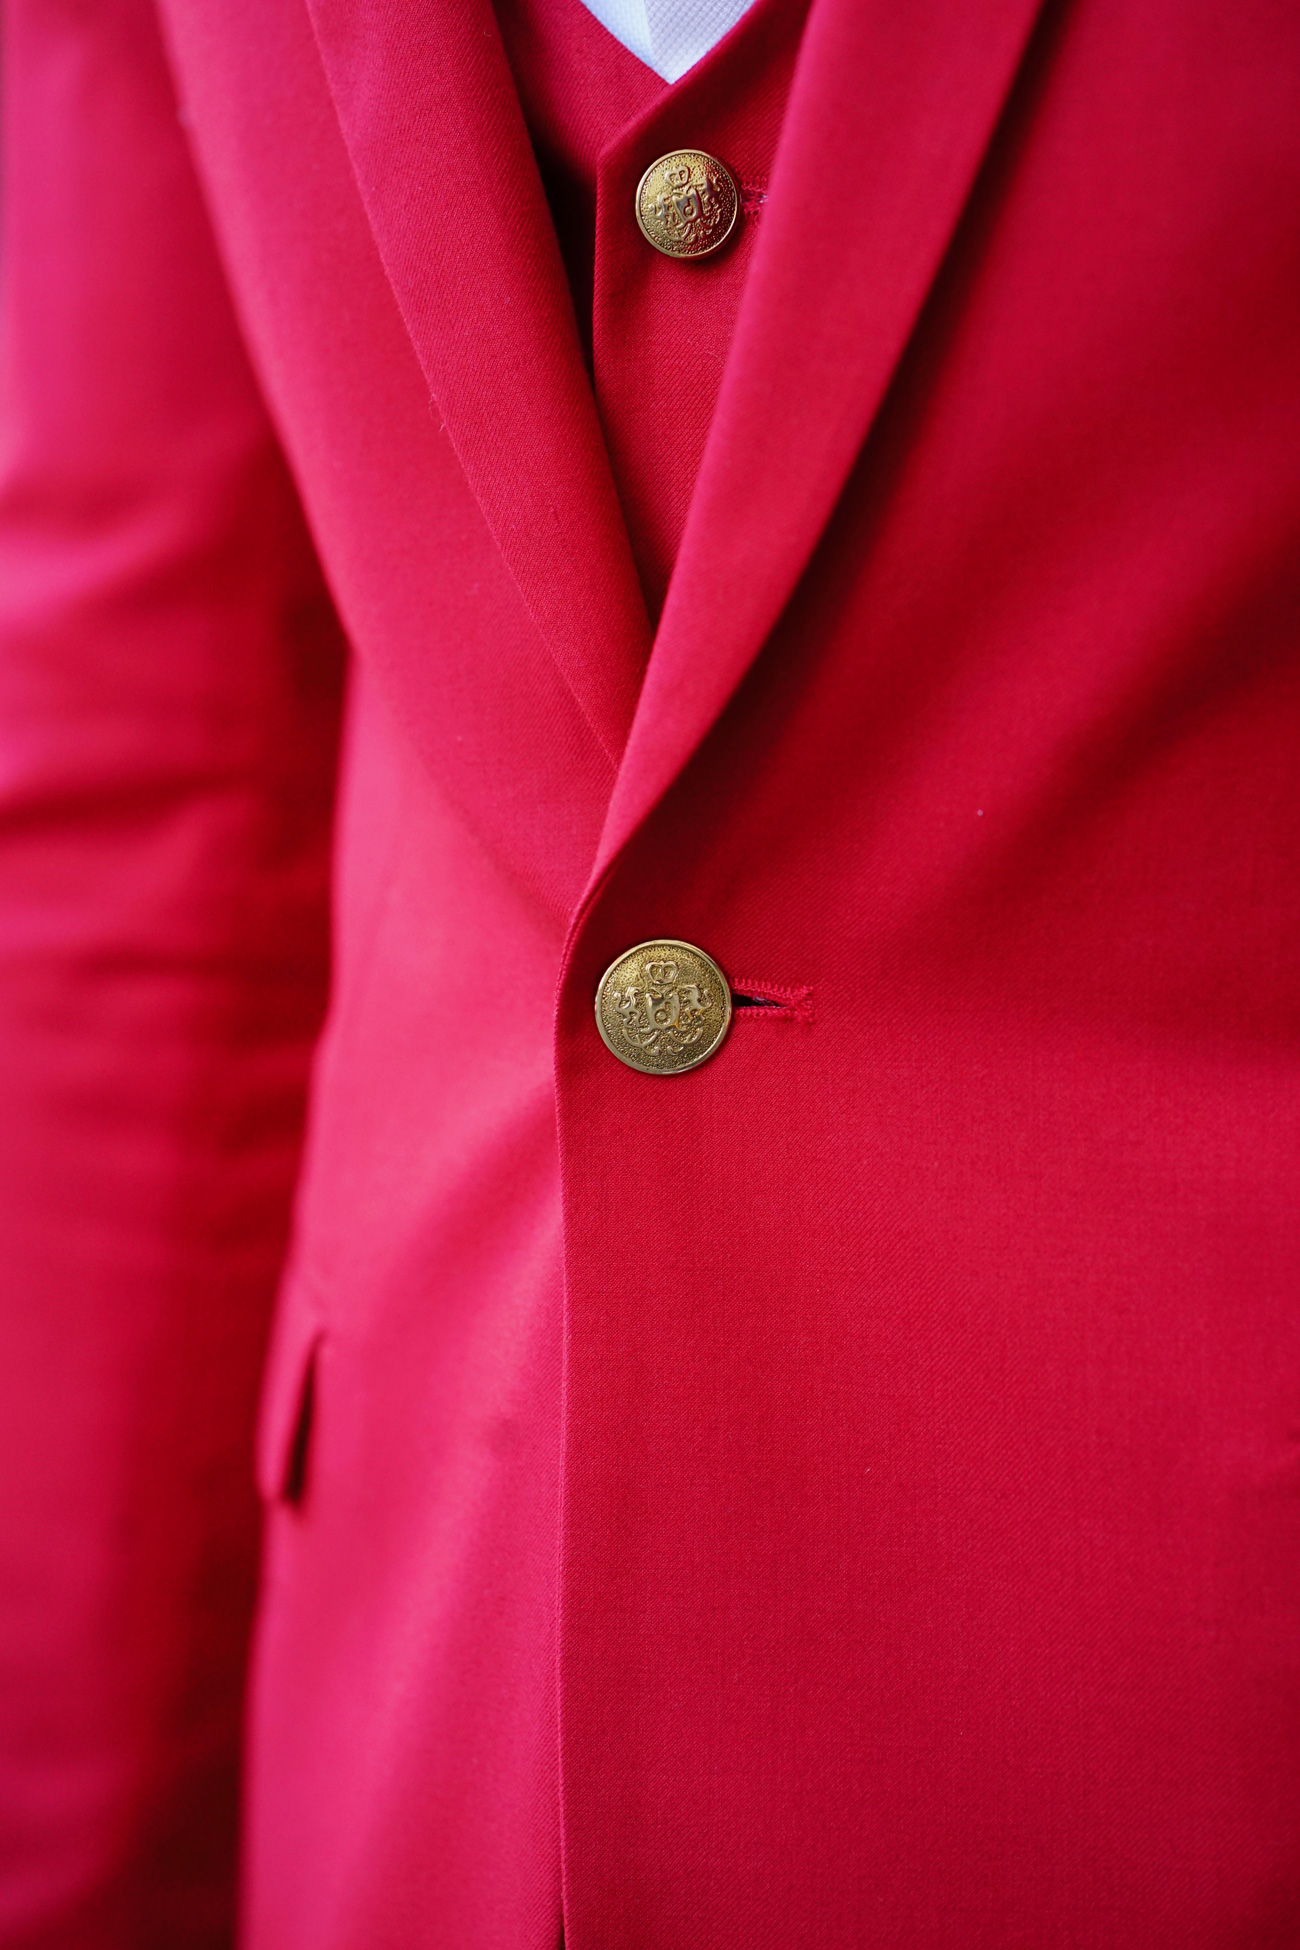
(663, 1007)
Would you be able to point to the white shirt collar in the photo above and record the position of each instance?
(670, 36)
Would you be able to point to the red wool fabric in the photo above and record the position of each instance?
(845, 1494)
(656, 332)
(169, 667)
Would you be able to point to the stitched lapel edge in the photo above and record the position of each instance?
(890, 114)
(432, 124)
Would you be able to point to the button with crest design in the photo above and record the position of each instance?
(663, 1007)
(687, 204)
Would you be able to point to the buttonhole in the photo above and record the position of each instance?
(772, 1001)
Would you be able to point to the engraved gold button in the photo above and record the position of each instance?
(663, 1007)
(687, 204)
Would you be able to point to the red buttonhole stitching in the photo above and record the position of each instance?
(773, 1000)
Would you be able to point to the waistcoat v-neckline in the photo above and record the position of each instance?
(655, 333)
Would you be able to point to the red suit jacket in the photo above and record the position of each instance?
(845, 1495)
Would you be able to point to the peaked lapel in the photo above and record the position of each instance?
(436, 136)
(890, 112)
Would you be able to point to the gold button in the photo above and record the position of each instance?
(663, 1007)
(687, 204)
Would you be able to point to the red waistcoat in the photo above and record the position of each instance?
(843, 1495)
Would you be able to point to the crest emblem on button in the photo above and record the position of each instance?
(687, 204)
(663, 1007)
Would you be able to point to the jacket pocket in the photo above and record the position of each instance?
(289, 1400)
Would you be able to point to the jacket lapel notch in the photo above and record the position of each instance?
(432, 123)
(867, 187)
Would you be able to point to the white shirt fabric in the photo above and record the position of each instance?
(670, 36)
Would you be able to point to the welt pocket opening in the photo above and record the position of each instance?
(294, 1474)
(288, 1416)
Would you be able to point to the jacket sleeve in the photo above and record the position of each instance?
(169, 676)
